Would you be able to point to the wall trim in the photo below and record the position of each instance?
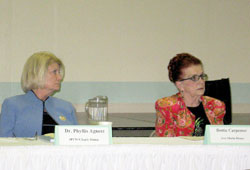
(149, 108)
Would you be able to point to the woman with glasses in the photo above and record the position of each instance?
(187, 112)
(36, 112)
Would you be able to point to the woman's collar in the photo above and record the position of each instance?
(37, 96)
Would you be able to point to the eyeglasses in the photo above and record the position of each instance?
(196, 78)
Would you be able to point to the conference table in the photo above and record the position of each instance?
(126, 124)
(126, 153)
(135, 150)
(143, 124)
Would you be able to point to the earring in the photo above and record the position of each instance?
(182, 93)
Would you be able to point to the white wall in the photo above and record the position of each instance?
(126, 40)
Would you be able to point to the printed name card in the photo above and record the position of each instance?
(83, 134)
(227, 134)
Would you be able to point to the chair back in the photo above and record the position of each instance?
(220, 89)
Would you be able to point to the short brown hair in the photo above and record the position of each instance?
(179, 62)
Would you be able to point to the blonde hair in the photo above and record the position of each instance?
(35, 69)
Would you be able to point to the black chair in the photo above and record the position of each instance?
(220, 89)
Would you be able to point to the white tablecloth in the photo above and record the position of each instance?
(125, 156)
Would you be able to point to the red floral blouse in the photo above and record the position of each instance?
(174, 119)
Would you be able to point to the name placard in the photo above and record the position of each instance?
(227, 134)
(83, 134)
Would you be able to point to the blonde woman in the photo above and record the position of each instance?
(36, 112)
